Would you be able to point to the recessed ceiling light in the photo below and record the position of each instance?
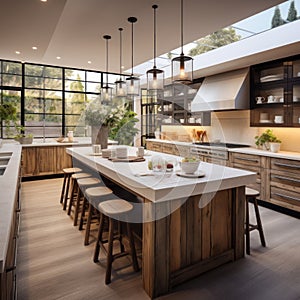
(34, 48)
(122, 67)
(89, 62)
(43, 0)
(18, 52)
(58, 57)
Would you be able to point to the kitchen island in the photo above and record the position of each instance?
(190, 225)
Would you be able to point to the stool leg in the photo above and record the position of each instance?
(122, 249)
(88, 224)
(99, 238)
(67, 192)
(109, 251)
(77, 205)
(247, 230)
(82, 214)
(72, 195)
(259, 224)
(63, 189)
(132, 248)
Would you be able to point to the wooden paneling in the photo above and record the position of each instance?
(63, 160)
(46, 160)
(29, 167)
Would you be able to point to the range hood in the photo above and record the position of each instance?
(225, 91)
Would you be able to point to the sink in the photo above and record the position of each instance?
(5, 154)
(4, 160)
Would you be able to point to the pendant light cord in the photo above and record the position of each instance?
(154, 36)
(107, 37)
(182, 27)
(120, 29)
(132, 49)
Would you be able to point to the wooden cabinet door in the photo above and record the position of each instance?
(46, 160)
(29, 166)
(63, 160)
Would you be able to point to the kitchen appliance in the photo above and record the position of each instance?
(214, 150)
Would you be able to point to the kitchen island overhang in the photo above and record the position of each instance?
(190, 226)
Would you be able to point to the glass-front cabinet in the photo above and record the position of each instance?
(275, 93)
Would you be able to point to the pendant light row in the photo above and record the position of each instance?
(182, 67)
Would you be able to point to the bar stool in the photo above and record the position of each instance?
(252, 194)
(94, 196)
(75, 188)
(65, 189)
(113, 209)
(83, 184)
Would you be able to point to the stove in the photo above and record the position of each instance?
(214, 150)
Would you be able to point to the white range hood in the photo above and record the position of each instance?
(226, 91)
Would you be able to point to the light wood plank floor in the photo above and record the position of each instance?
(54, 264)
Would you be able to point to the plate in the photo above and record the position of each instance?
(188, 175)
(265, 121)
(96, 154)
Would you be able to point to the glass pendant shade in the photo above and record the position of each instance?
(106, 91)
(155, 77)
(182, 66)
(182, 69)
(132, 82)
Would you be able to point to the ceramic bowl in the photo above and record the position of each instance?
(190, 167)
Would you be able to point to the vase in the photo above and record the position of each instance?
(274, 147)
(100, 136)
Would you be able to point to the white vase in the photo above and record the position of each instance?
(274, 147)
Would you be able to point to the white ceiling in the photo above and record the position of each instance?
(73, 29)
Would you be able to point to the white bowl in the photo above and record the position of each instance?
(190, 167)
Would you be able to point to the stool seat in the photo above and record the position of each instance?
(80, 175)
(88, 181)
(251, 192)
(115, 207)
(98, 191)
(71, 170)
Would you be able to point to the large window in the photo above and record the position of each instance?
(49, 99)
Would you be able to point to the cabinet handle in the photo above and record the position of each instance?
(248, 159)
(287, 165)
(12, 268)
(287, 197)
(286, 178)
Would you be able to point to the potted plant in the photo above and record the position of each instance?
(8, 114)
(268, 140)
(21, 137)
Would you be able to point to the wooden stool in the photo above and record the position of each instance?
(83, 184)
(65, 189)
(251, 194)
(75, 187)
(93, 196)
(112, 209)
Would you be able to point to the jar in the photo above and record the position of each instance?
(70, 136)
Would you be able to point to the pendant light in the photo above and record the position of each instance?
(133, 82)
(106, 91)
(155, 77)
(182, 66)
(120, 84)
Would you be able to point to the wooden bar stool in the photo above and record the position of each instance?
(83, 184)
(66, 184)
(93, 196)
(114, 209)
(75, 187)
(252, 194)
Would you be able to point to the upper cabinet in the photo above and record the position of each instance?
(275, 93)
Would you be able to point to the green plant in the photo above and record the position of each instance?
(8, 114)
(266, 137)
(20, 132)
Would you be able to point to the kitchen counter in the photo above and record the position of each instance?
(9, 183)
(190, 225)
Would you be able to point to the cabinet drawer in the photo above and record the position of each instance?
(168, 148)
(285, 198)
(250, 168)
(287, 165)
(156, 147)
(285, 180)
(247, 159)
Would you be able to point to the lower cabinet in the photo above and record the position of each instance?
(44, 160)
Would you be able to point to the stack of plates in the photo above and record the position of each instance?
(265, 121)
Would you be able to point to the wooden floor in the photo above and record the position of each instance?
(54, 264)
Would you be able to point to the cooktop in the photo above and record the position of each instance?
(224, 145)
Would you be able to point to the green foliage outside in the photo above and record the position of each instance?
(292, 14)
(217, 39)
(277, 20)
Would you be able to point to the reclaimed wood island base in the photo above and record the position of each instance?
(190, 226)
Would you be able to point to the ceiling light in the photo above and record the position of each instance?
(120, 83)
(182, 66)
(106, 91)
(155, 77)
(18, 52)
(43, 0)
(133, 83)
(89, 62)
(34, 48)
(58, 57)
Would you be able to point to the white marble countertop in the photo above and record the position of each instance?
(246, 150)
(8, 190)
(163, 186)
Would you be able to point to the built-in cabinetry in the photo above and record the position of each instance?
(275, 93)
(44, 160)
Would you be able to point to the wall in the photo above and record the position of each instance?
(233, 126)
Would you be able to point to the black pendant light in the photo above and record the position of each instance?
(155, 77)
(106, 91)
(133, 82)
(120, 83)
(182, 66)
